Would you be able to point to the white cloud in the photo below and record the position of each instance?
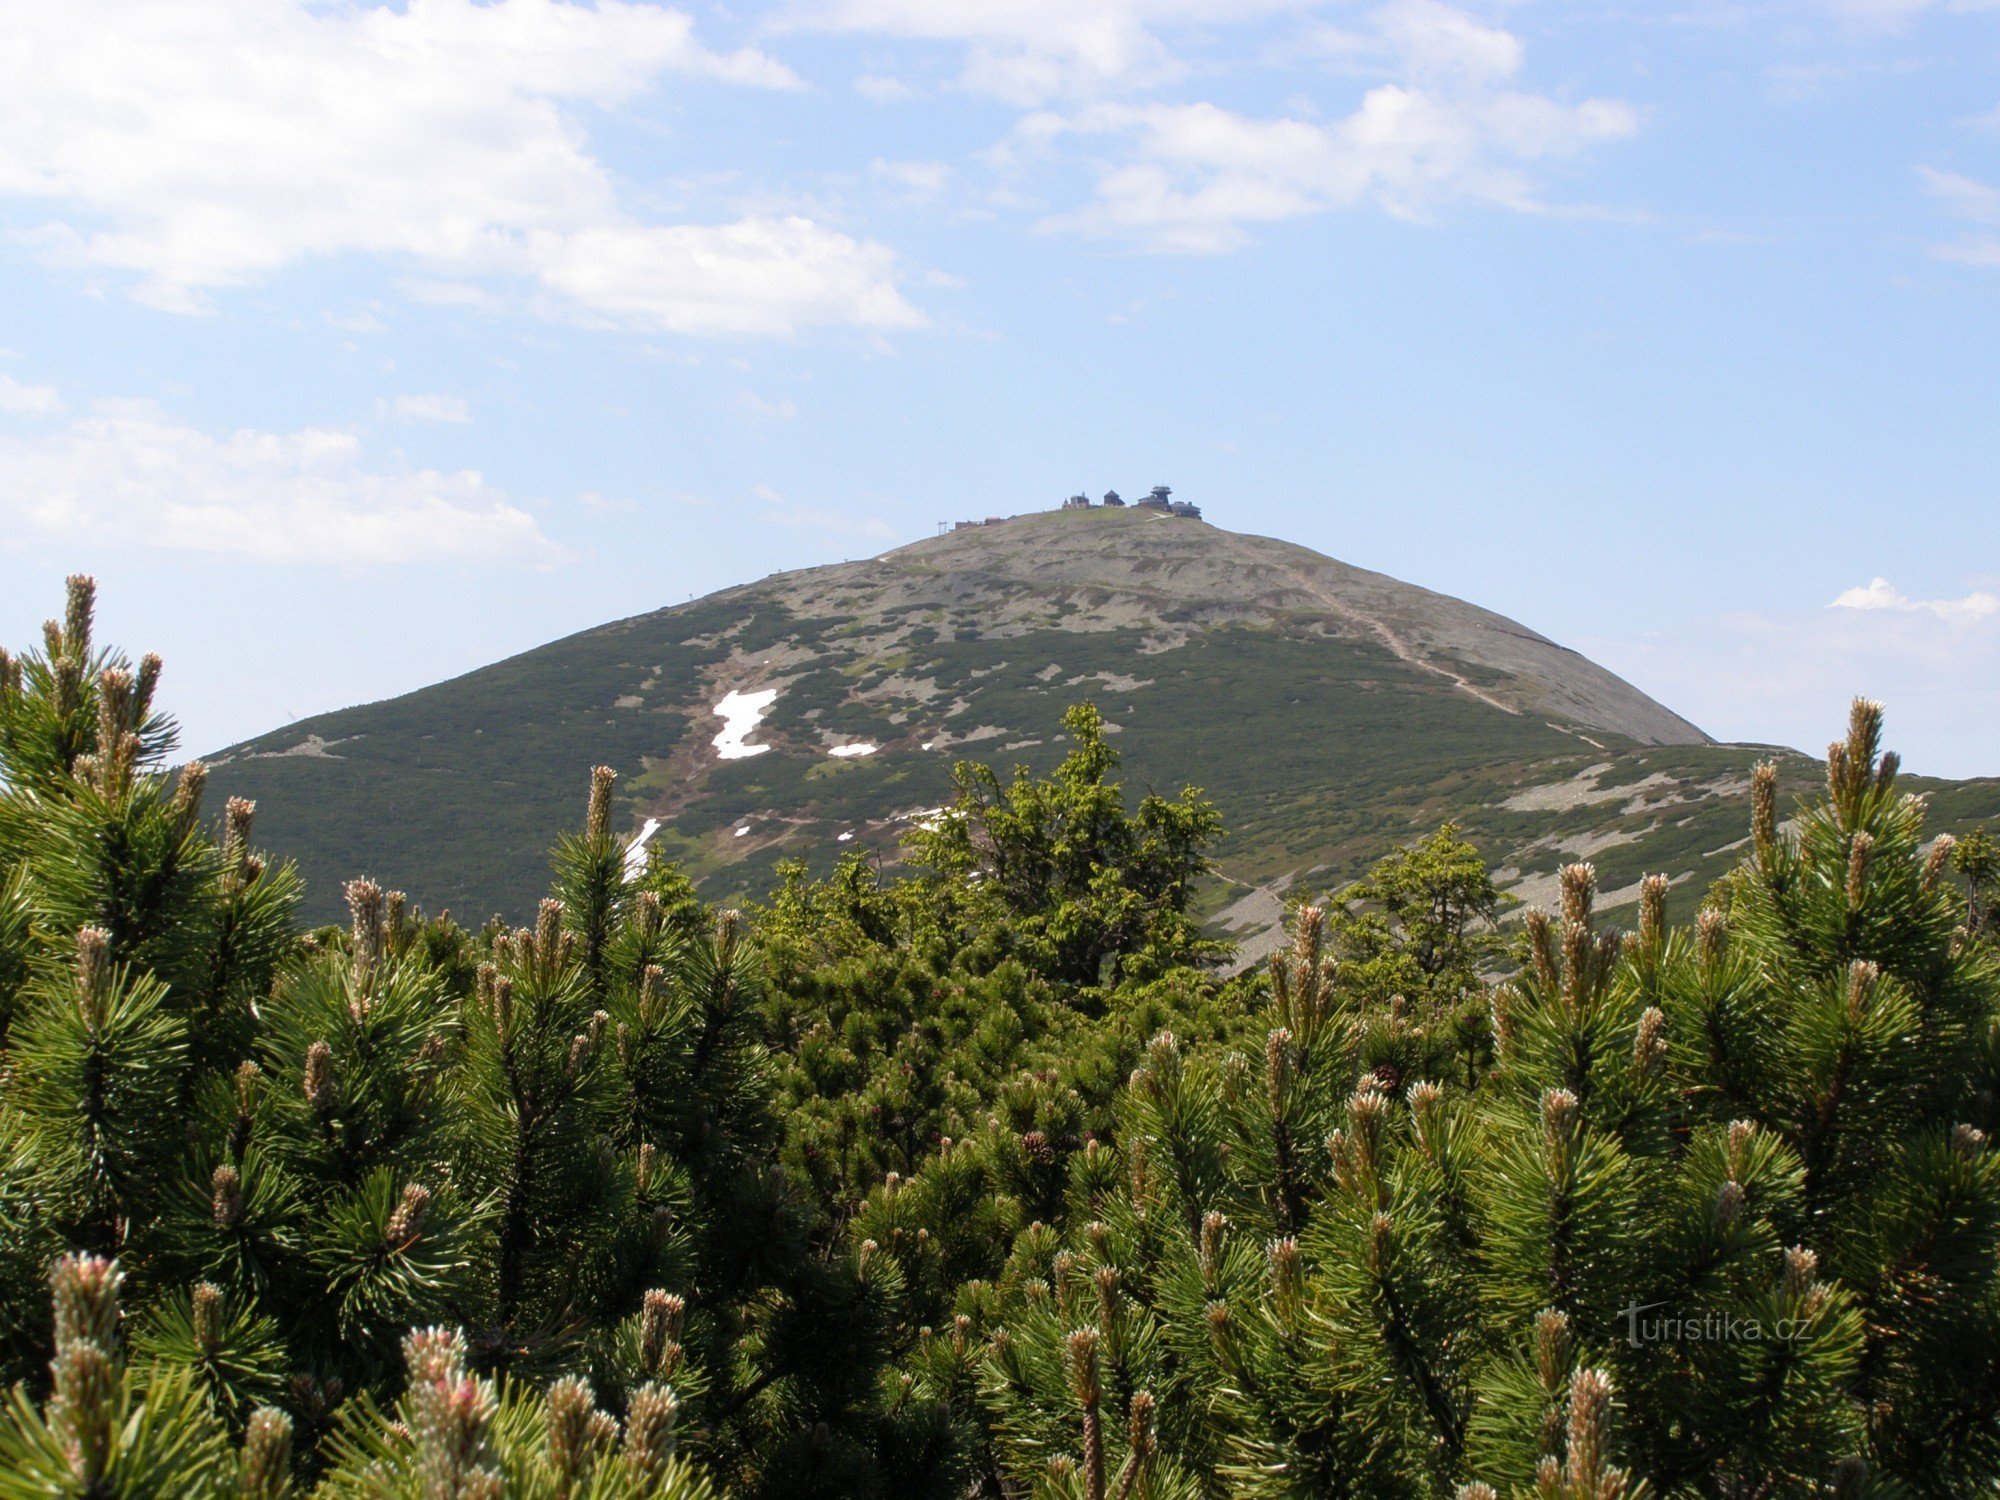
(1880, 594)
(754, 406)
(1450, 129)
(200, 144)
(782, 512)
(1877, 12)
(1976, 250)
(882, 89)
(1430, 40)
(923, 179)
(429, 407)
(1030, 51)
(127, 475)
(1973, 201)
(363, 321)
(1785, 678)
(756, 276)
(28, 400)
(1893, 14)
(1966, 197)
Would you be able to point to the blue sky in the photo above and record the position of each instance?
(353, 347)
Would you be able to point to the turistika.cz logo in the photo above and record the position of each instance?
(1704, 1328)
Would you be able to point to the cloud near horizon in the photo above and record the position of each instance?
(127, 476)
(792, 516)
(1786, 678)
(1880, 594)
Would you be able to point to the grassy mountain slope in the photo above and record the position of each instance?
(1328, 710)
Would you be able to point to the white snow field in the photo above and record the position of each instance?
(635, 852)
(740, 713)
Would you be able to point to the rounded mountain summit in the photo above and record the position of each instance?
(1329, 711)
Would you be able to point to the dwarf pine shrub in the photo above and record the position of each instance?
(977, 1179)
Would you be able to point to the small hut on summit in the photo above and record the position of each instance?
(1161, 500)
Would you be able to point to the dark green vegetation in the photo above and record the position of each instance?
(1328, 713)
(981, 1181)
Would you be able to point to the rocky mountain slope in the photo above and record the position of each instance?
(1330, 711)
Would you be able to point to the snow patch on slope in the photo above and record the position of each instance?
(635, 852)
(740, 713)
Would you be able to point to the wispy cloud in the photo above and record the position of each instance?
(28, 400)
(1783, 677)
(758, 275)
(778, 511)
(758, 408)
(1028, 52)
(884, 89)
(430, 407)
(1974, 202)
(362, 320)
(1966, 197)
(1880, 594)
(203, 144)
(1876, 12)
(127, 476)
(1452, 127)
(921, 179)
(1445, 124)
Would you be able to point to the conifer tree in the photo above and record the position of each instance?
(133, 943)
(974, 1182)
(300, 1149)
(110, 1430)
(1977, 858)
(454, 1435)
(1722, 1218)
(1087, 887)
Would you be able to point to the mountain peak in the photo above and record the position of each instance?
(1329, 711)
(1105, 568)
